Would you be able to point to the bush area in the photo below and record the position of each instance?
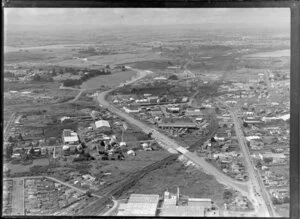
(85, 77)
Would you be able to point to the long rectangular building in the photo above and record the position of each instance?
(178, 125)
(181, 211)
(139, 205)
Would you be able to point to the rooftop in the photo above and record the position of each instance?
(102, 123)
(182, 211)
(139, 205)
(179, 124)
(134, 198)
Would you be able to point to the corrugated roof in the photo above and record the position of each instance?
(170, 201)
(139, 205)
(137, 209)
(182, 211)
(143, 198)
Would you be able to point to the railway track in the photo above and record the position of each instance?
(213, 129)
(116, 190)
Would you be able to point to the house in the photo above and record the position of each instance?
(178, 125)
(161, 78)
(152, 99)
(185, 99)
(254, 137)
(127, 110)
(269, 119)
(70, 137)
(252, 120)
(173, 109)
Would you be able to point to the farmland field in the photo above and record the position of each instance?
(277, 53)
(108, 80)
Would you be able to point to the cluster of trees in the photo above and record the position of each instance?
(85, 77)
(173, 77)
(16, 139)
(227, 195)
(37, 77)
(90, 50)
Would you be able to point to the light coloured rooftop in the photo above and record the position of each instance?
(181, 211)
(102, 123)
(137, 209)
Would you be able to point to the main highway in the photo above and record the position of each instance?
(171, 145)
(258, 192)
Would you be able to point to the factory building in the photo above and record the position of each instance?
(203, 202)
(139, 205)
(182, 211)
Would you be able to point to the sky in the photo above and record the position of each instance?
(62, 18)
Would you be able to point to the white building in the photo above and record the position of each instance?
(127, 110)
(102, 123)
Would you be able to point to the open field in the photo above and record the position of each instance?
(283, 210)
(110, 59)
(40, 93)
(277, 53)
(108, 80)
(191, 181)
(159, 64)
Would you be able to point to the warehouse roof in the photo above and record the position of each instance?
(139, 205)
(145, 198)
(182, 211)
(137, 209)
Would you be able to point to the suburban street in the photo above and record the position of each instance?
(263, 204)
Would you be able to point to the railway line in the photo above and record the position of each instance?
(116, 190)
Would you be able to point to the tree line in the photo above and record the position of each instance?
(91, 73)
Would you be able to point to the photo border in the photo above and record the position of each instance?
(294, 65)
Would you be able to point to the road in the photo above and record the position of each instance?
(113, 210)
(174, 147)
(77, 96)
(263, 204)
(188, 72)
(72, 88)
